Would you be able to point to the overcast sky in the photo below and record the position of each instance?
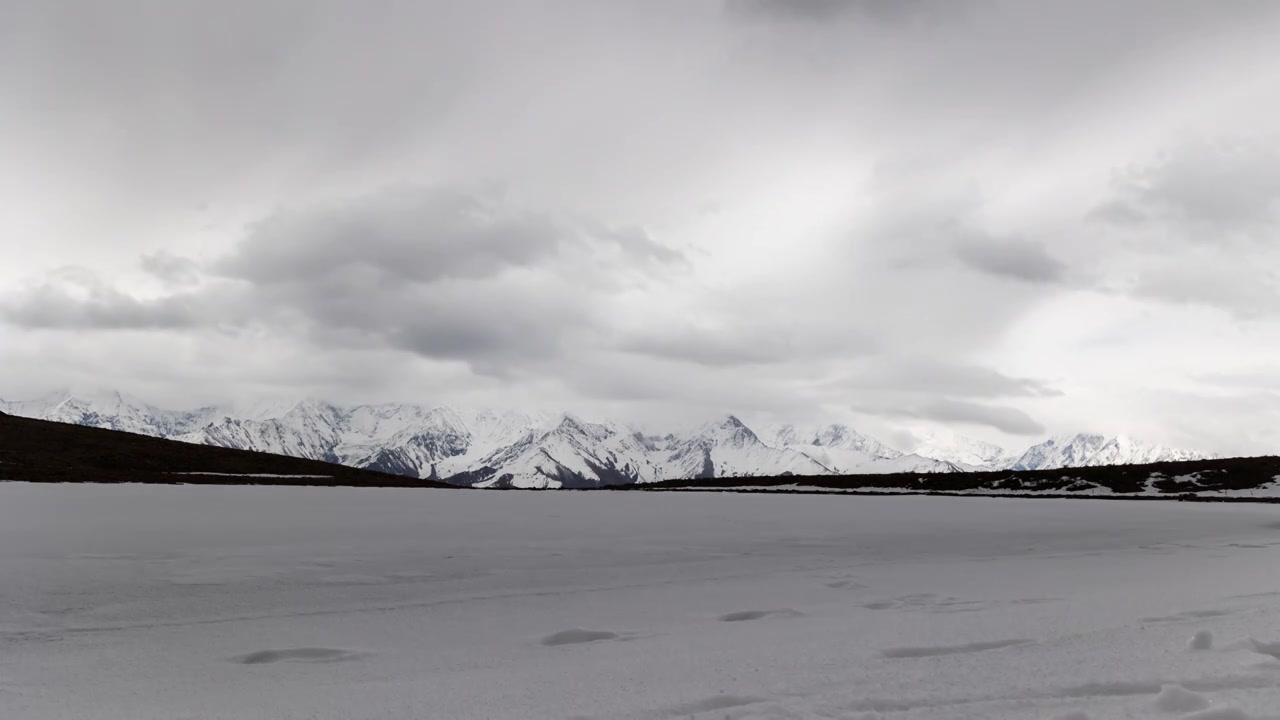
(1003, 218)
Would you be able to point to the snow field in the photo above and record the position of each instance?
(248, 602)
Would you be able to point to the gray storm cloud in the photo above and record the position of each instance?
(1010, 258)
(1009, 420)
(1006, 216)
(1215, 191)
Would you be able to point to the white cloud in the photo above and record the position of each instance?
(989, 211)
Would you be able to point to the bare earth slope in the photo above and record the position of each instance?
(43, 451)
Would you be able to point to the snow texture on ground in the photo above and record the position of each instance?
(1083, 488)
(186, 603)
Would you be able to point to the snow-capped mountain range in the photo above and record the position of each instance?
(490, 448)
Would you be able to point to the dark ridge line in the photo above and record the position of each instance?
(1030, 495)
(1122, 481)
(42, 451)
(50, 452)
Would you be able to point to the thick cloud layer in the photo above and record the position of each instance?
(1011, 218)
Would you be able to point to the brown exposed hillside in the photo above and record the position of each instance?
(42, 451)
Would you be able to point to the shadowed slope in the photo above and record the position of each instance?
(42, 451)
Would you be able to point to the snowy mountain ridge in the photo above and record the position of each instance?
(495, 448)
(949, 447)
(1089, 450)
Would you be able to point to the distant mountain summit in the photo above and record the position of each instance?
(1087, 450)
(499, 448)
(728, 448)
(109, 410)
(839, 448)
(961, 450)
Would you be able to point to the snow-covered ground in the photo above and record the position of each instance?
(1265, 492)
(184, 602)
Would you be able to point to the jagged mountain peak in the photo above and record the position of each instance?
(314, 406)
(1092, 449)
(784, 434)
(271, 408)
(955, 448)
(837, 447)
(106, 409)
(388, 420)
(579, 429)
(833, 434)
(911, 463)
(535, 449)
(1080, 438)
(103, 401)
(728, 429)
(843, 436)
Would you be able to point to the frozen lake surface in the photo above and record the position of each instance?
(204, 603)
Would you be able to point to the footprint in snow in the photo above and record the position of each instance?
(307, 655)
(1218, 714)
(938, 650)
(1179, 700)
(711, 704)
(1189, 615)
(846, 585)
(927, 602)
(747, 615)
(1263, 648)
(578, 636)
